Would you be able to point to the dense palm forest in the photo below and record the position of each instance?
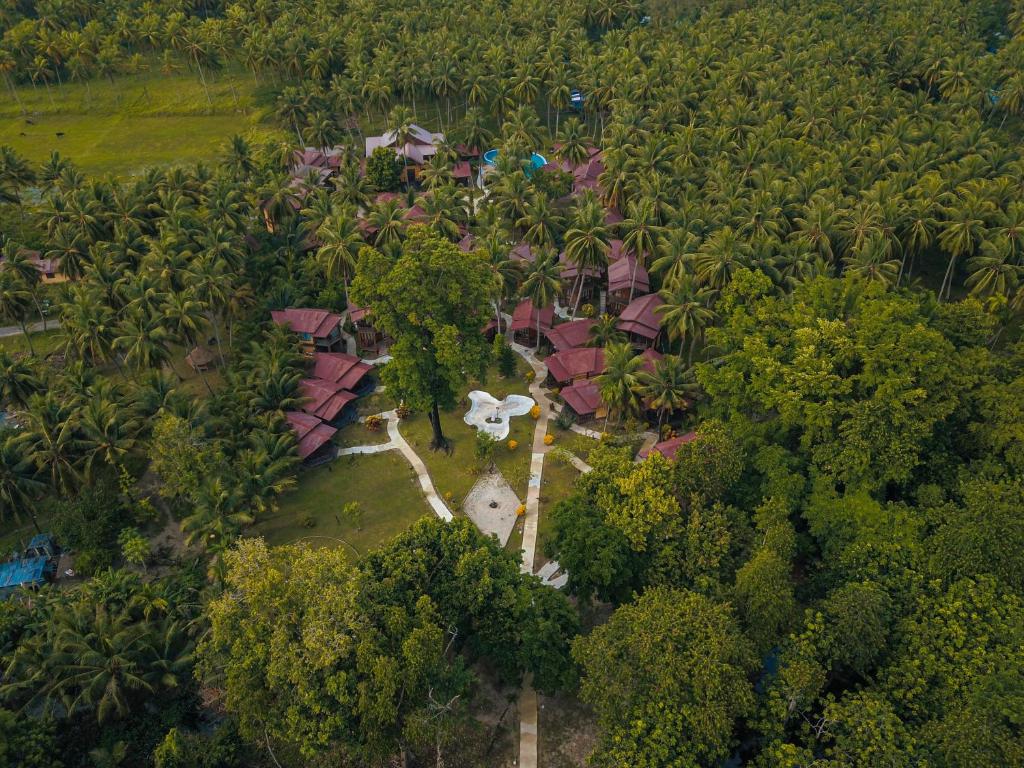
(829, 199)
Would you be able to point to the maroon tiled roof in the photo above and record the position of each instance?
(613, 217)
(524, 317)
(621, 275)
(461, 170)
(357, 313)
(570, 271)
(583, 397)
(415, 214)
(640, 318)
(650, 356)
(580, 362)
(467, 243)
(339, 368)
(669, 448)
(523, 252)
(324, 399)
(615, 250)
(385, 197)
(310, 157)
(301, 423)
(317, 322)
(572, 334)
(465, 151)
(320, 435)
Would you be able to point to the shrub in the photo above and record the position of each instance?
(403, 411)
(306, 520)
(520, 510)
(587, 310)
(535, 412)
(565, 419)
(506, 359)
(383, 170)
(549, 439)
(513, 444)
(374, 422)
(352, 513)
(531, 375)
(485, 444)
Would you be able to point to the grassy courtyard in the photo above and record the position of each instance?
(454, 471)
(43, 343)
(384, 486)
(123, 126)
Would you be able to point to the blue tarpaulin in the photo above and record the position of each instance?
(27, 572)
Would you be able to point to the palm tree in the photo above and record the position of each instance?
(19, 483)
(53, 440)
(16, 304)
(541, 223)
(870, 262)
(18, 381)
(573, 148)
(640, 234)
(18, 261)
(587, 243)
(994, 271)
(340, 241)
(619, 384)
(685, 313)
(543, 279)
(962, 232)
(605, 331)
(719, 256)
(106, 435)
(217, 518)
(668, 387)
(388, 218)
(144, 342)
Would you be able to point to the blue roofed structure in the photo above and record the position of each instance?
(29, 572)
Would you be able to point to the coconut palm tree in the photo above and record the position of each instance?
(340, 241)
(20, 486)
(107, 436)
(18, 381)
(605, 332)
(543, 279)
(541, 223)
(53, 440)
(619, 384)
(995, 270)
(669, 387)
(685, 313)
(964, 229)
(587, 242)
(640, 235)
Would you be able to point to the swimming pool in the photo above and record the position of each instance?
(536, 160)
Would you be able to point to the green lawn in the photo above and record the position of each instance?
(556, 484)
(136, 121)
(454, 472)
(43, 343)
(358, 434)
(383, 484)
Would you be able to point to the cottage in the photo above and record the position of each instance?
(571, 335)
(626, 279)
(347, 371)
(368, 338)
(419, 146)
(327, 401)
(586, 288)
(49, 269)
(640, 321)
(669, 448)
(318, 329)
(573, 365)
(525, 321)
(583, 399)
(200, 359)
(313, 435)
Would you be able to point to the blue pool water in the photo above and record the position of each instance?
(536, 159)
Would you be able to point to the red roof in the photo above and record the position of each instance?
(650, 356)
(339, 368)
(583, 397)
(640, 318)
(572, 334)
(669, 448)
(612, 217)
(302, 423)
(320, 435)
(523, 252)
(462, 170)
(570, 271)
(621, 276)
(467, 243)
(581, 362)
(357, 313)
(415, 214)
(317, 322)
(525, 317)
(324, 399)
(465, 151)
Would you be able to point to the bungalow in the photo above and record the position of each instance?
(523, 253)
(571, 335)
(200, 359)
(640, 321)
(626, 278)
(318, 329)
(368, 338)
(570, 274)
(327, 401)
(584, 400)
(525, 319)
(313, 435)
(419, 146)
(49, 269)
(669, 448)
(347, 371)
(467, 243)
(572, 365)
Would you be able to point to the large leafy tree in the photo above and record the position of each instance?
(432, 300)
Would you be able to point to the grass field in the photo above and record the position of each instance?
(556, 484)
(42, 343)
(123, 126)
(383, 484)
(453, 472)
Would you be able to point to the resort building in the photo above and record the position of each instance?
(318, 329)
(669, 448)
(575, 333)
(525, 322)
(313, 435)
(419, 146)
(640, 321)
